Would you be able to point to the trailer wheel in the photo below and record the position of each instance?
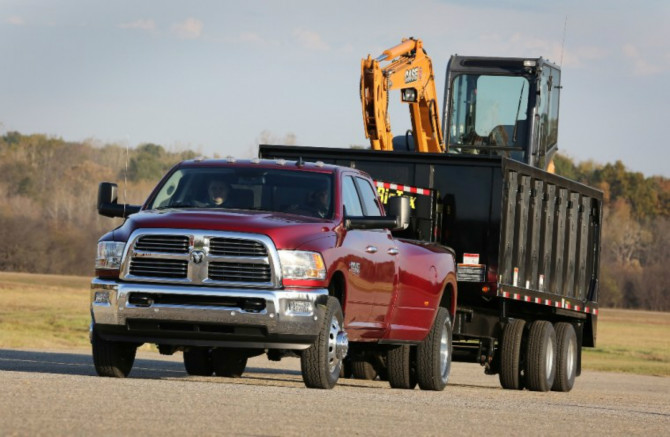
(198, 361)
(511, 367)
(401, 367)
(321, 363)
(566, 357)
(229, 362)
(112, 358)
(363, 369)
(541, 356)
(433, 355)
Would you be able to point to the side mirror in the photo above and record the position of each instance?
(399, 208)
(108, 202)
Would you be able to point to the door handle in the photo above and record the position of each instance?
(371, 249)
(393, 251)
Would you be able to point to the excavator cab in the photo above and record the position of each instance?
(502, 106)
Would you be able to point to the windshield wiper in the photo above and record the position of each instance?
(516, 118)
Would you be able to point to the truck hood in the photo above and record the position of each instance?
(288, 231)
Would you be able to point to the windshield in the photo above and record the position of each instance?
(489, 112)
(295, 192)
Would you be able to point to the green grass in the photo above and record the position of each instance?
(51, 312)
(631, 342)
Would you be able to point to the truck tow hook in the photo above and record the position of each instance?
(341, 345)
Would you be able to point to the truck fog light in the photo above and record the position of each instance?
(101, 298)
(299, 307)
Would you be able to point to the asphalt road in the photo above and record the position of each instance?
(57, 393)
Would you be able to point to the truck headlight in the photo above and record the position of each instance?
(109, 255)
(299, 264)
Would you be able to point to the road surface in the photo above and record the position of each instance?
(57, 393)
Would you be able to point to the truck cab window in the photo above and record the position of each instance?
(369, 197)
(351, 201)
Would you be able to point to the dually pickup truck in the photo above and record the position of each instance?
(231, 259)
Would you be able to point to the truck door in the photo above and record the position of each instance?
(371, 260)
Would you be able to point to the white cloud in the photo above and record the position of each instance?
(16, 20)
(310, 40)
(149, 25)
(641, 67)
(191, 28)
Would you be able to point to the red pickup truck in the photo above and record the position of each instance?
(231, 259)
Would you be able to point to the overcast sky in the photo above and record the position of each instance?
(213, 75)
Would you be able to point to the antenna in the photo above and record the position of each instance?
(125, 175)
(565, 28)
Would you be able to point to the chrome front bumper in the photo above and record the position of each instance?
(281, 324)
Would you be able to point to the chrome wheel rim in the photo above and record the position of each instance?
(549, 358)
(334, 330)
(444, 353)
(571, 358)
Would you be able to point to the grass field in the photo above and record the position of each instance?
(46, 311)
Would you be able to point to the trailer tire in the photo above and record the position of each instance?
(433, 355)
(322, 361)
(363, 369)
(401, 367)
(198, 361)
(566, 357)
(229, 362)
(511, 366)
(541, 356)
(112, 359)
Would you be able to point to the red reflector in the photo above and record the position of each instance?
(485, 289)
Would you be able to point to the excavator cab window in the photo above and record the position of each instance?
(489, 115)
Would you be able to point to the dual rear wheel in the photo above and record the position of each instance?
(427, 364)
(538, 356)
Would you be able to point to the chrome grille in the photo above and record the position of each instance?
(200, 257)
(223, 271)
(163, 243)
(159, 268)
(236, 247)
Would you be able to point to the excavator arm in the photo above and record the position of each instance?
(409, 70)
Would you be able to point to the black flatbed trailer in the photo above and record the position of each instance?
(528, 243)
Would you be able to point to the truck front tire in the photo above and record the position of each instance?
(511, 366)
(566, 357)
(541, 356)
(112, 358)
(320, 363)
(433, 355)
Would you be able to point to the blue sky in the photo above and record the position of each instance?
(220, 76)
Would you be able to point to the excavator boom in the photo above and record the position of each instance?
(409, 70)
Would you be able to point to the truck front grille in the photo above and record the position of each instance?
(159, 268)
(236, 247)
(222, 271)
(208, 258)
(163, 243)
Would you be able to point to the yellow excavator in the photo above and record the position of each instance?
(493, 106)
(411, 71)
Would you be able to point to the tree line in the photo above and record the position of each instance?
(49, 223)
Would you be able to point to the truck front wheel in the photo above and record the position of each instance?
(511, 366)
(433, 355)
(322, 361)
(541, 356)
(112, 358)
(566, 357)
